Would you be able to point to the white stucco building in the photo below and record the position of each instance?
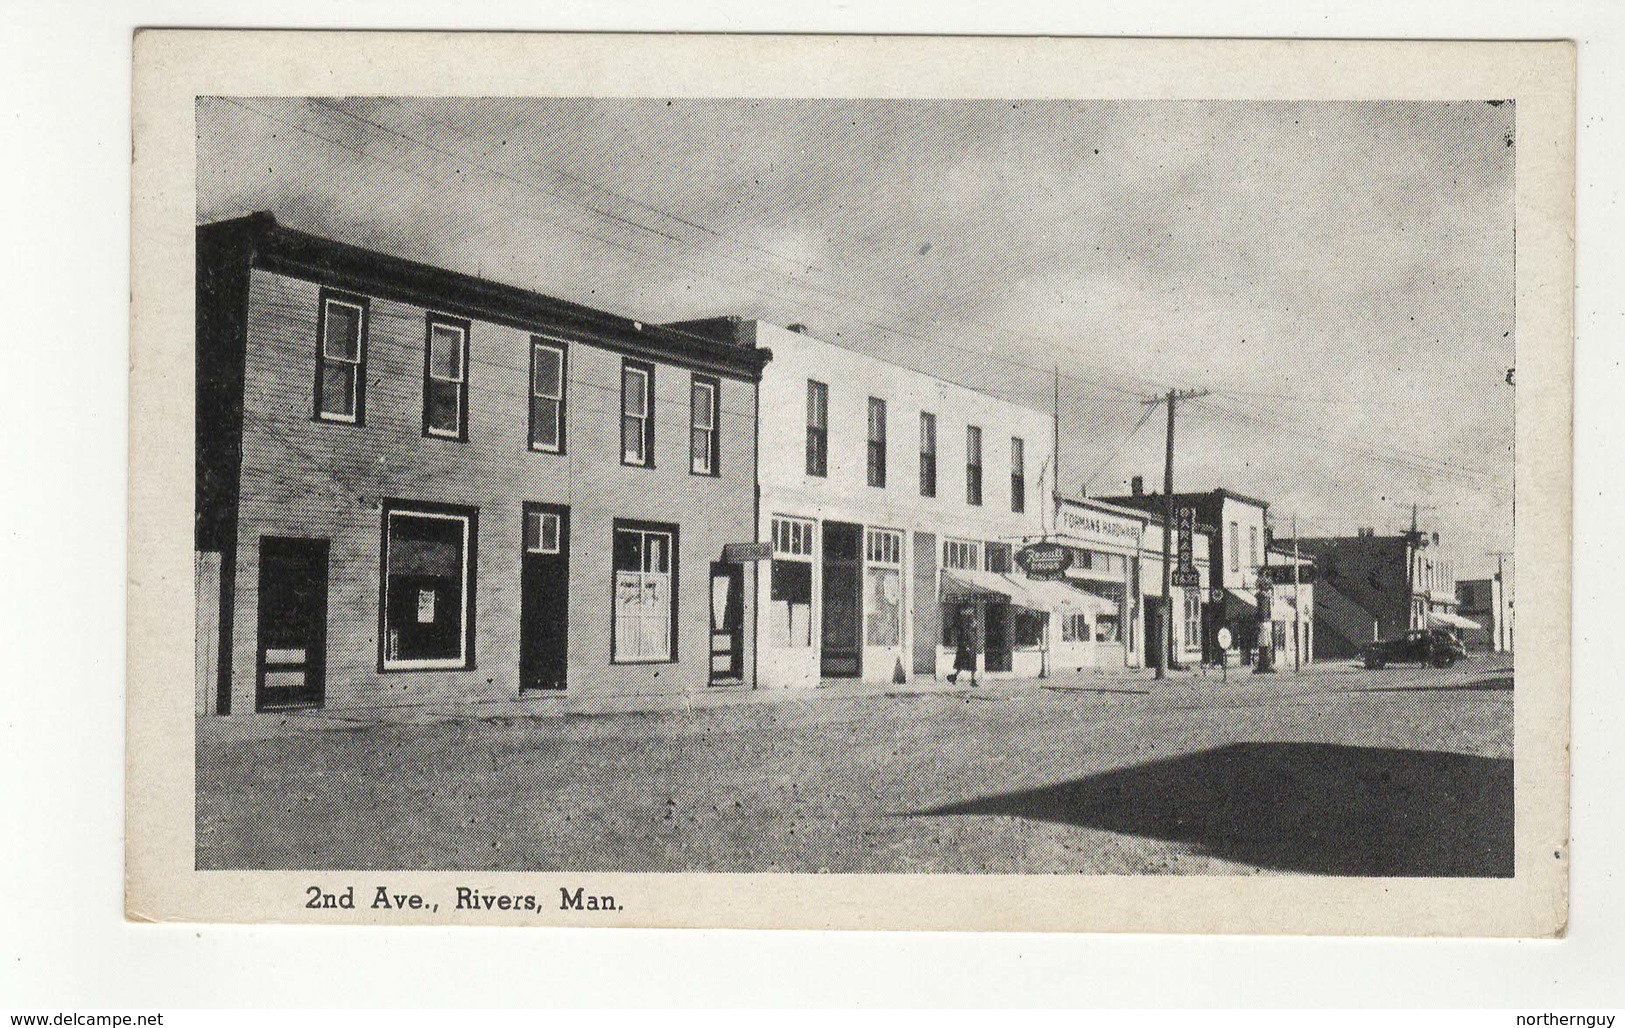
(895, 503)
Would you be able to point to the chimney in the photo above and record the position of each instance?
(1137, 485)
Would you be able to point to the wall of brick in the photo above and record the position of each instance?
(307, 478)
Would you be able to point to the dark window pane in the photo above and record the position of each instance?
(544, 421)
(338, 388)
(549, 374)
(446, 352)
(628, 551)
(444, 406)
(342, 339)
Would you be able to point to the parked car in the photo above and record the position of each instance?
(1435, 646)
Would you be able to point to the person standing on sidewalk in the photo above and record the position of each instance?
(965, 653)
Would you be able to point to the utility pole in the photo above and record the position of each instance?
(1166, 617)
(1055, 455)
(1502, 641)
(1413, 561)
(1297, 600)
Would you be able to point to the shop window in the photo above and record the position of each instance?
(884, 584)
(973, 465)
(445, 379)
(644, 625)
(790, 592)
(637, 414)
(428, 587)
(1074, 628)
(546, 396)
(1193, 619)
(1018, 475)
(703, 420)
(961, 555)
(877, 443)
(928, 454)
(1027, 628)
(817, 429)
(341, 359)
(1000, 557)
(1106, 628)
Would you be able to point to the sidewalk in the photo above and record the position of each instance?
(1134, 681)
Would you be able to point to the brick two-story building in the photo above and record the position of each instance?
(417, 487)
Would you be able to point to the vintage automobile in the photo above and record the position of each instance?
(1435, 646)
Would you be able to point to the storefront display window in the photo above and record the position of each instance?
(644, 594)
(884, 585)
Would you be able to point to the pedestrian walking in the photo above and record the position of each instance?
(965, 654)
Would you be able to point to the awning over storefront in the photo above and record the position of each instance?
(1240, 604)
(963, 584)
(1444, 617)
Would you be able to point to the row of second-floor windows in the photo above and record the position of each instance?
(341, 383)
(817, 464)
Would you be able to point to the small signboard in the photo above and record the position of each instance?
(1225, 638)
(1184, 579)
(744, 553)
(1043, 561)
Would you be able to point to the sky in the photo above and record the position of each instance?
(1339, 276)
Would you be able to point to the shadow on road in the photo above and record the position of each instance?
(1298, 807)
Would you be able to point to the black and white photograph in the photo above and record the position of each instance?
(864, 486)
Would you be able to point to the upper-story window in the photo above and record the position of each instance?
(1018, 475)
(546, 395)
(445, 378)
(877, 443)
(1235, 546)
(928, 453)
(1252, 546)
(973, 466)
(341, 359)
(703, 419)
(637, 414)
(817, 429)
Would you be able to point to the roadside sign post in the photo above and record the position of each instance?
(1224, 651)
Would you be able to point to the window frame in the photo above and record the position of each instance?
(972, 548)
(1192, 623)
(1252, 547)
(1235, 546)
(672, 534)
(431, 321)
(711, 382)
(973, 468)
(562, 348)
(470, 516)
(876, 449)
(326, 298)
(647, 370)
(928, 454)
(817, 465)
(542, 513)
(1018, 475)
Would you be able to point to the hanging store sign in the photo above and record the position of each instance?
(744, 553)
(1043, 561)
(1185, 575)
(1098, 527)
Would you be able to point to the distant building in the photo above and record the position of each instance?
(1485, 602)
(1239, 542)
(1380, 586)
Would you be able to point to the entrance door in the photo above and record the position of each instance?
(544, 598)
(1156, 651)
(843, 601)
(292, 648)
(727, 623)
(996, 636)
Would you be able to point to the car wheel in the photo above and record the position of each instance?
(1444, 660)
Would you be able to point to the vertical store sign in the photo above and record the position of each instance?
(1185, 574)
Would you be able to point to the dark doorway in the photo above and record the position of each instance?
(843, 600)
(1156, 651)
(292, 648)
(727, 623)
(996, 636)
(927, 612)
(544, 600)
